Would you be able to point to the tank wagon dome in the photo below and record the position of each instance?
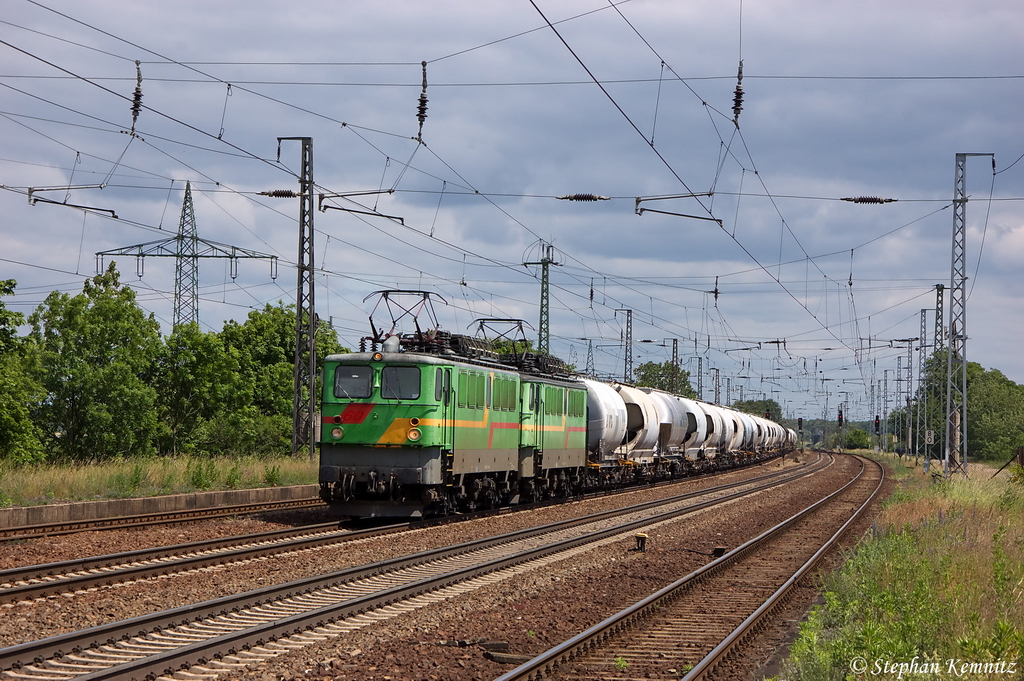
(606, 424)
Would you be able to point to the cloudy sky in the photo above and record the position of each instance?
(528, 101)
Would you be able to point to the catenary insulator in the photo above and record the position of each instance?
(280, 194)
(583, 197)
(421, 109)
(737, 99)
(867, 199)
(137, 97)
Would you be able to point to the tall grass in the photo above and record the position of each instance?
(940, 578)
(43, 484)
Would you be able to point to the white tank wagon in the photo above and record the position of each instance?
(674, 424)
(748, 442)
(720, 430)
(606, 422)
(697, 429)
(642, 424)
(639, 431)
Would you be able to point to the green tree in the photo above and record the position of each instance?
(665, 376)
(197, 378)
(20, 395)
(96, 354)
(20, 438)
(265, 347)
(995, 410)
(857, 439)
(995, 414)
(9, 321)
(760, 408)
(260, 418)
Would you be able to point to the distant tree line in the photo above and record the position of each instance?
(94, 379)
(995, 413)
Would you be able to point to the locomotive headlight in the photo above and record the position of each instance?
(415, 434)
(337, 433)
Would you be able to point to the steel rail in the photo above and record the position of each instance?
(546, 662)
(30, 653)
(143, 520)
(147, 519)
(42, 581)
(703, 668)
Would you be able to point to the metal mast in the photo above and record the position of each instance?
(897, 428)
(700, 378)
(304, 399)
(922, 389)
(627, 370)
(544, 333)
(675, 366)
(956, 350)
(909, 423)
(885, 409)
(186, 270)
(938, 343)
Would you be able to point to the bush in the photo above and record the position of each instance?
(201, 474)
(272, 475)
(244, 432)
(125, 484)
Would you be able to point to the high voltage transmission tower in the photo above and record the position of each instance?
(186, 248)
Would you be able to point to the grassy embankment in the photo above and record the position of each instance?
(32, 485)
(939, 581)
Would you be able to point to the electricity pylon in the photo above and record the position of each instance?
(186, 247)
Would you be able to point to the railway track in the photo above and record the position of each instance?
(240, 630)
(149, 519)
(43, 581)
(694, 625)
(64, 527)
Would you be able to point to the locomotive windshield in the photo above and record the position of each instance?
(353, 381)
(400, 383)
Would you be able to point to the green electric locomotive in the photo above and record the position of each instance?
(410, 433)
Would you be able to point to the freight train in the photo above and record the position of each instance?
(435, 423)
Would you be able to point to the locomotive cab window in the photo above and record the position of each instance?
(353, 382)
(400, 383)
